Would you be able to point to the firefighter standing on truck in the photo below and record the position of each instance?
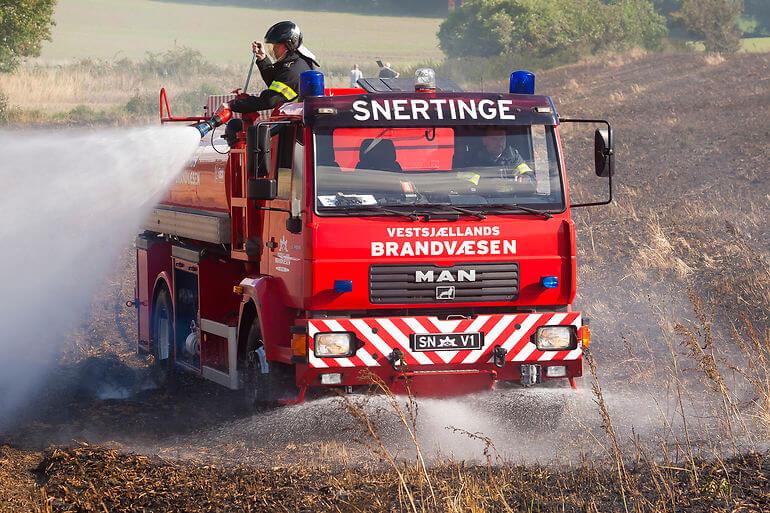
(280, 61)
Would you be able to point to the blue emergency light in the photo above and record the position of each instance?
(342, 286)
(522, 82)
(311, 83)
(550, 282)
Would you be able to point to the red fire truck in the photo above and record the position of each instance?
(421, 235)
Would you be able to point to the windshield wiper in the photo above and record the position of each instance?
(461, 210)
(482, 214)
(376, 208)
(502, 208)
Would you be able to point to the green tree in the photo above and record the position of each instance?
(24, 24)
(713, 21)
(544, 28)
(634, 23)
(759, 10)
(471, 31)
(666, 7)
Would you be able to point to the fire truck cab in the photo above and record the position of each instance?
(417, 238)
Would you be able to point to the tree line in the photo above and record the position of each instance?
(487, 28)
(24, 24)
(572, 28)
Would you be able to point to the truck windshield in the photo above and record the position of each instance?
(454, 166)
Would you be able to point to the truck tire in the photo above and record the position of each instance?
(162, 334)
(256, 389)
(264, 390)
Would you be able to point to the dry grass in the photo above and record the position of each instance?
(63, 88)
(756, 351)
(15, 466)
(617, 60)
(657, 251)
(713, 59)
(96, 85)
(111, 85)
(123, 91)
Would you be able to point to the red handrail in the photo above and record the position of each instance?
(169, 118)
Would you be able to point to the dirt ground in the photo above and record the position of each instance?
(684, 250)
(100, 479)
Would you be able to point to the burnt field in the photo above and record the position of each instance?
(673, 413)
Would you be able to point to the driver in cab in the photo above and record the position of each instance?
(494, 151)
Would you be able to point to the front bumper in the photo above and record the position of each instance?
(385, 350)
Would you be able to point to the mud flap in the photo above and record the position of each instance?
(277, 382)
(264, 368)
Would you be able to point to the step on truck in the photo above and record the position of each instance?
(413, 235)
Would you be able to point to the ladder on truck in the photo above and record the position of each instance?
(245, 214)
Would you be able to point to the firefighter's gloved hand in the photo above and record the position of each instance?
(258, 50)
(231, 131)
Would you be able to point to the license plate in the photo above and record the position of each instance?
(446, 341)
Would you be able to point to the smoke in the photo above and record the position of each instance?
(69, 202)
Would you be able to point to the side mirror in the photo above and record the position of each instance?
(263, 149)
(258, 142)
(604, 155)
(251, 151)
(294, 224)
(262, 189)
(258, 150)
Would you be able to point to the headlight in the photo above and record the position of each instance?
(556, 338)
(334, 344)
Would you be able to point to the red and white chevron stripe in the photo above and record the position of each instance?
(381, 335)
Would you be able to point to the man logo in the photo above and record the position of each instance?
(444, 275)
(446, 292)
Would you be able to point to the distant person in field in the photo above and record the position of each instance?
(387, 72)
(280, 60)
(355, 76)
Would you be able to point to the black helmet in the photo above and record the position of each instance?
(286, 32)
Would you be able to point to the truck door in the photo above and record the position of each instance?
(284, 249)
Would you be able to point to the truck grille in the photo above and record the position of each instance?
(436, 284)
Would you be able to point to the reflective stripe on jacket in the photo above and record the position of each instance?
(281, 88)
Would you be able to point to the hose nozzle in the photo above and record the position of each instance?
(203, 127)
(222, 116)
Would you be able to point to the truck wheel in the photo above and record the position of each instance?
(162, 334)
(256, 384)
(265, 390)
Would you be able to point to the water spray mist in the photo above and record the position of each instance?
(70, 202)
